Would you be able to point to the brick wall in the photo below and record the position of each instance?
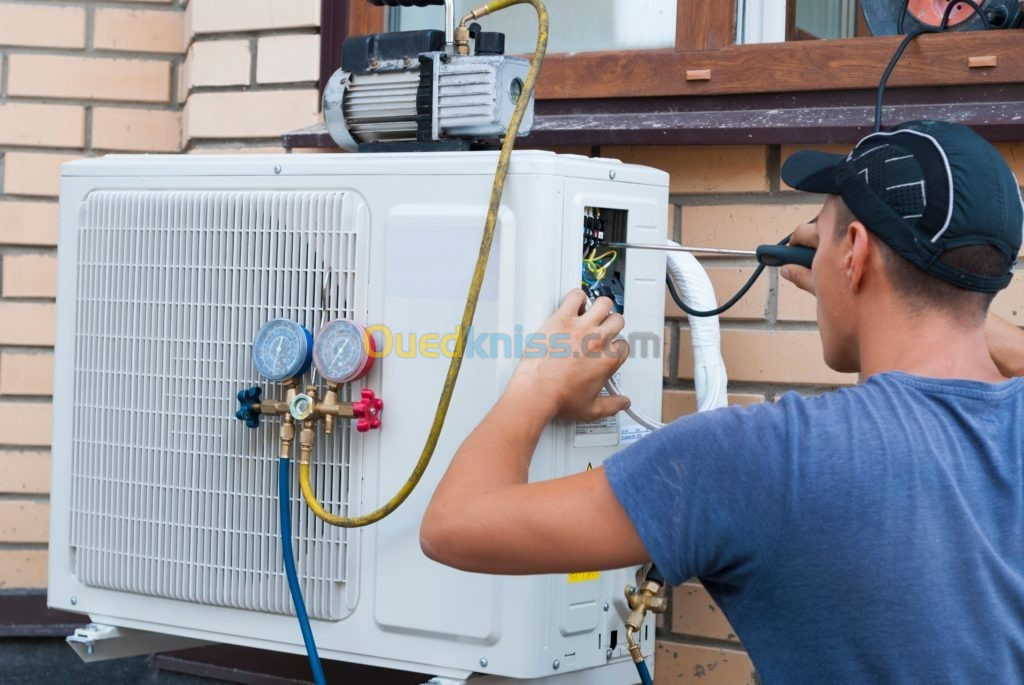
(77, 78)
(250, 73)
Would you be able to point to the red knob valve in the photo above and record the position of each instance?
(368, 411)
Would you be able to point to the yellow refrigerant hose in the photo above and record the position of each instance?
(474, 288)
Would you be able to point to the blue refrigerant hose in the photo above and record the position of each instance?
(645, 673)
(284, 504)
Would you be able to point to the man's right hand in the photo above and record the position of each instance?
(805, 235)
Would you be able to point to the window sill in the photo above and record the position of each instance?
(763, 119)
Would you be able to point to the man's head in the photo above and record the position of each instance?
(927, 218)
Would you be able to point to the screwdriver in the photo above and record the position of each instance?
(769, 255)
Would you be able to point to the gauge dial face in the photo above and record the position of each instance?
(342, 351)
(282, 350)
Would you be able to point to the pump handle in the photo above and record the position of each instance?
(406, 3)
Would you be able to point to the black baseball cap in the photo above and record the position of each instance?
(924, 188)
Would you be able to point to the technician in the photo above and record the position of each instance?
(872, 534)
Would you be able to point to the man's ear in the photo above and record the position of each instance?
(858, 259)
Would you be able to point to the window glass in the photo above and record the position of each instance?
(576, 25)
(774, 21)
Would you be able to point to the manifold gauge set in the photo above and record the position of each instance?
(423, 90)
(343, 351)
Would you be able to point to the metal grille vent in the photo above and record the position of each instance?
(172, 497)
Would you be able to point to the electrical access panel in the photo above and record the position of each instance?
(164, 505)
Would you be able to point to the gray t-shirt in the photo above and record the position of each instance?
(871, 535)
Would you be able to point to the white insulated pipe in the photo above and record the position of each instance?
(709, 373)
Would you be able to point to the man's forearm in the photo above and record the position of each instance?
(499, 451)
(1006, 345)
(495, 456)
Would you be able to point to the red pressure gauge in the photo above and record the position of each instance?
(344, 351)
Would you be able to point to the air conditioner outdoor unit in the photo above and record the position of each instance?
(164, 505)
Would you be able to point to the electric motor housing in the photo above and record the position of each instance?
(883, 16)
(405, 88)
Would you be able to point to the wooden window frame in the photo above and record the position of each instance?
(709, 89)
(705, 42)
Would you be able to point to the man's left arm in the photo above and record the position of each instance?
(486, 517)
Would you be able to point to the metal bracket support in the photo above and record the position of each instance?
(99, 642)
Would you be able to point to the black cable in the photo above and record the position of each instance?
(943, 26)
(732, 301)
(725, 307)
(903, 14)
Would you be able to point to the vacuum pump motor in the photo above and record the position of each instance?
(409, 87)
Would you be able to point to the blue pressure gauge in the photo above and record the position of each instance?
(283, 349)
(344, 351)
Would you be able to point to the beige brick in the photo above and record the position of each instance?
(33, 173)
(249, 114)
(23, 373)
(288, 59)
(679, 664)
(727, 281)
(796, 304)
(1013, 153)
(23, 521)
(37, 25)
(676, 403)
(22, 569)
(769, 356)
(25, 424)
(49, 125)
(27, 324)
(29, 275)
(694, 613)
(232, 149)
(742, 227)
(136, 130)
(218, 63)
(1009, 304)
(25, 473)
(788, 150)
(28, 223)
(139, 30)
(218, 16)
(702, 169)
(89, 78)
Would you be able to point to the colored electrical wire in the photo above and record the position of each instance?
(905, 43)
(475, 286)
(284, 505)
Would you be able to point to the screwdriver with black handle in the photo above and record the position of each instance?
(769, 255)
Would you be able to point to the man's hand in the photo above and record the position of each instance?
(805, 235)
(572, 357)
(485, 516)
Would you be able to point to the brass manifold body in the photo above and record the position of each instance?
(307, 409)
(645, 597)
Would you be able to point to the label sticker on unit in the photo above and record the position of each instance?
(631, 433)
(603, 433)
(584, 576)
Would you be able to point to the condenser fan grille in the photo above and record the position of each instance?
(171, 496)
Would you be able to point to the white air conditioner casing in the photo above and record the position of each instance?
(164, 511)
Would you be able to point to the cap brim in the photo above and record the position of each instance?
(812, 171)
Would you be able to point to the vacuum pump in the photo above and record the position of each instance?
(424, 90)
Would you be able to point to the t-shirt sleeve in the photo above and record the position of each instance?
(708, 493)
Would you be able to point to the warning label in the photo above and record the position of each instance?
(584, 576)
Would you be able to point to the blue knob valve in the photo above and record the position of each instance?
(247, 411)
